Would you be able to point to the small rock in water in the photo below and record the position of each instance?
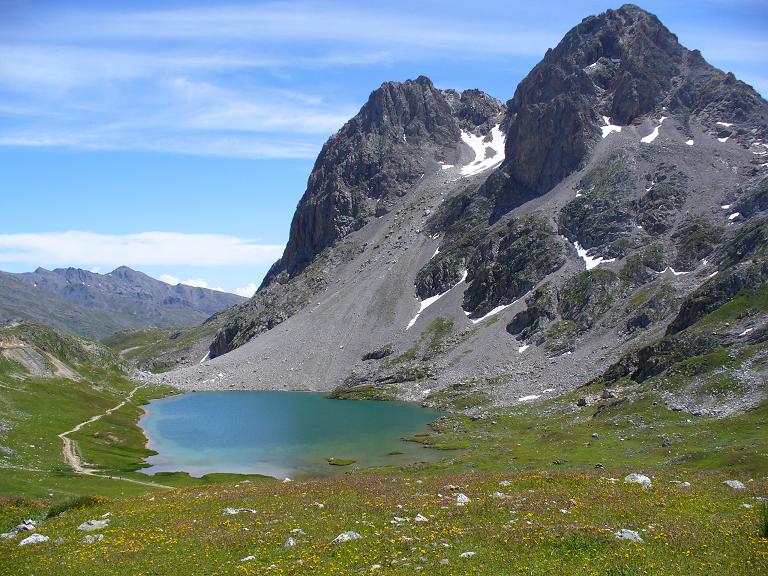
(91, 525)
(462, 499)
(635, 478)
(625, 534)
(735, 484)
(34, 539)
(291, 542)
(467, 554)
(91, 538)
(346, 537)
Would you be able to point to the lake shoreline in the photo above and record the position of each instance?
(279, 434)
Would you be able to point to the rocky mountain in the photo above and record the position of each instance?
(97, 305)
(607, 224)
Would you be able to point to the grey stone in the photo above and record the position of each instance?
(631, 535)
(641, 479)
(346, 537)
(93, 525)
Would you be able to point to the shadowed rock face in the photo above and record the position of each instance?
(395, 138)
(621, 64)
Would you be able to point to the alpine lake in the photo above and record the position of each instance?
(280, 434)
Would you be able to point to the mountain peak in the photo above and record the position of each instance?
(371, 162)
(622, 65)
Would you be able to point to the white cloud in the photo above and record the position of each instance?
(210, 107)
(246, 291)
(96, 269)
(273, 23)
(142, 249)
(194, 282)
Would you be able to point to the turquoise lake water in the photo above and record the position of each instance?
(279, 433)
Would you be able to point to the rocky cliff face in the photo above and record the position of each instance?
(610, 69)
(399, 134)
(404, 131)
(603, 232)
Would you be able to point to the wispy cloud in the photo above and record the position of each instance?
(249, 80)
(143, 249)
(246, 291)
(195, 282)
(307, 22)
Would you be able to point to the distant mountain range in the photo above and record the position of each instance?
(97, 305)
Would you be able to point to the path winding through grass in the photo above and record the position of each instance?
(72, 457)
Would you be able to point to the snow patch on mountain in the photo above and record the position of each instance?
(589, 261)
(480, 147)
(427, 302)
(608, 128)
(653, 135)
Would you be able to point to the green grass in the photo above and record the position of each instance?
(547, 452)
(762, 520)
(156, 349)
(76, 503)
(700, 530)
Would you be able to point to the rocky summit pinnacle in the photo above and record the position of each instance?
(448, 245)
(398, 135)
(611, 68)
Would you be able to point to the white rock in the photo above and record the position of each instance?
(499, 495)
(505, 483)
(735, 484)
(91, 525)
(467, 554)
(420, 518)
(234, 511)
(291, 542)
(625, 534)
(247, 558)
(635, 478)
(747, 506)
(462, 499)
(27, 526)
(34, 539)
(346, 537)
(91, 538)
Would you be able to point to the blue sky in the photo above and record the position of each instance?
(177, 137)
